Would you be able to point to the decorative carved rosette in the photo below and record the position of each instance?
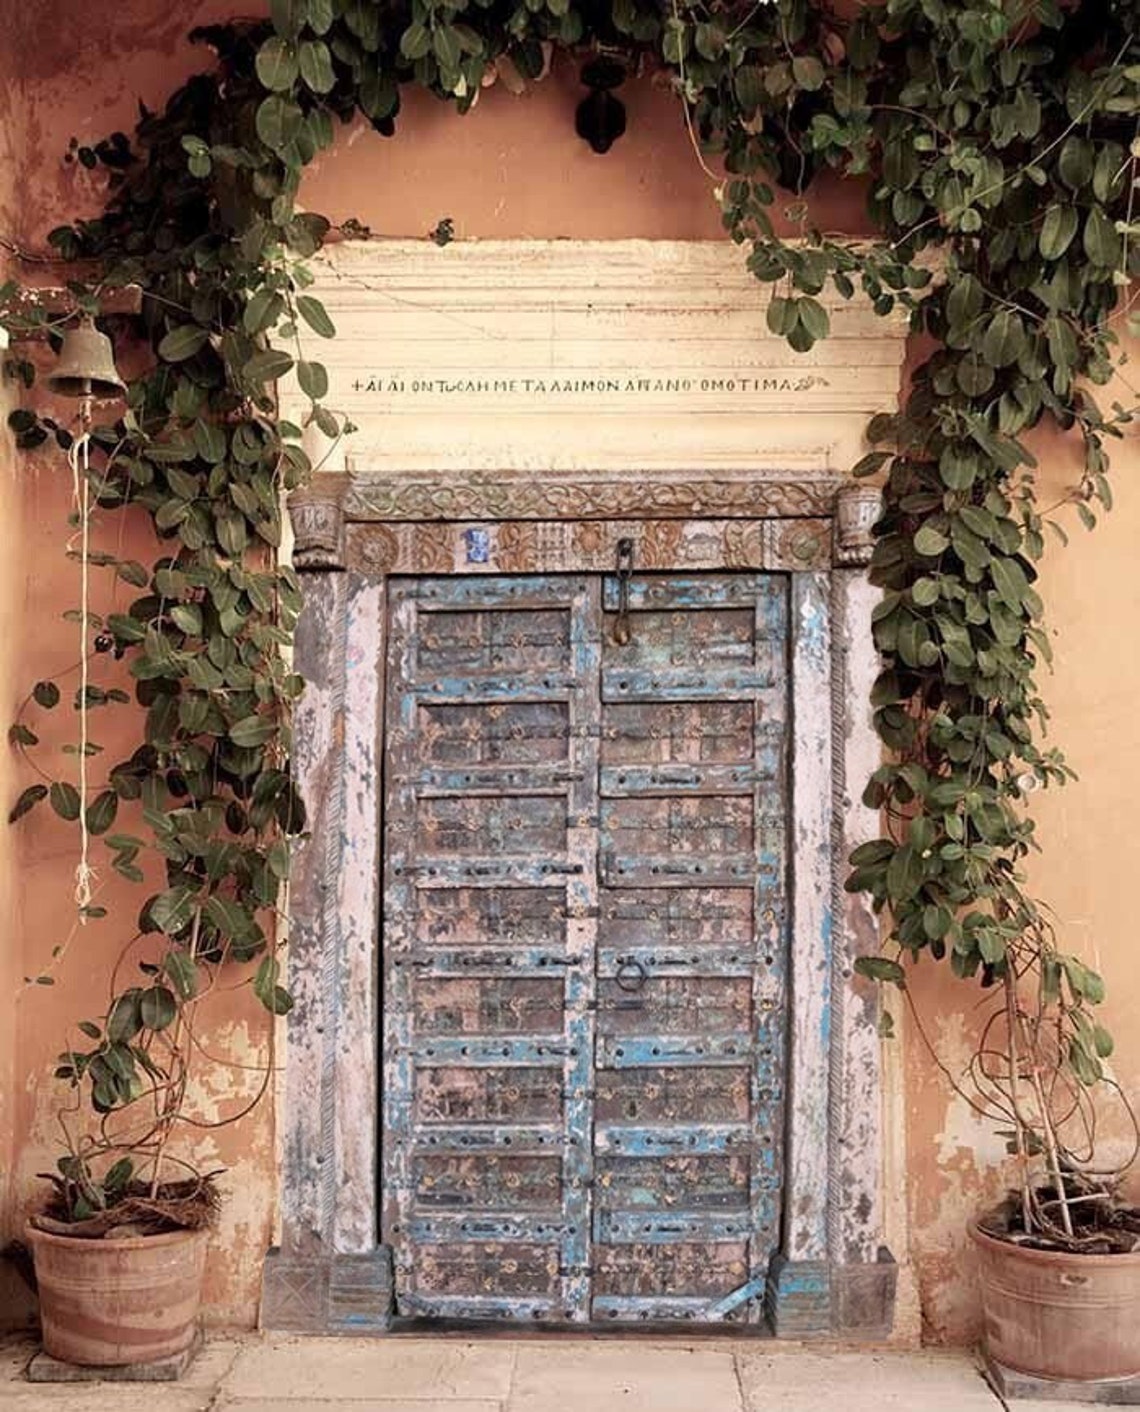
(374, 549)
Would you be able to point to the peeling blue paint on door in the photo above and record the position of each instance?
(585, 937)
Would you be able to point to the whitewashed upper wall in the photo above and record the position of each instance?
(576, 355)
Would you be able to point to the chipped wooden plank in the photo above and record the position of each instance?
(810, 978)
(857, 1187)
(446, 1227)
(309, 1095)
(692, 1138)
(710, 683)
(771, 938)
(358, 907)
(633, 1052)
(674, 1228)
(479, 1052)
(678, 779)
(582, 939)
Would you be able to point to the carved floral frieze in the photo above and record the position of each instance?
(529, 546)
(482, 496)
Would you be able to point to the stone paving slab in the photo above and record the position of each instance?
(1035, 1404)
(813, 1382)
(633, 1376)
(45, 1369)
(419, 1369)
(103, 1397)
(1010, 1385)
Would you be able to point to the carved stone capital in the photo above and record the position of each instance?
(317, 513)
(857, 509)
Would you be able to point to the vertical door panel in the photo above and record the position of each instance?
(690, 949)
(490, 913)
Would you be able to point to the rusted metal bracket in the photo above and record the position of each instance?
(622, 631)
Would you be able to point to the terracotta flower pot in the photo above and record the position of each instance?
(1056, 1315)
(107, 1303)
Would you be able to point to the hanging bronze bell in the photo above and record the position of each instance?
(86, 365)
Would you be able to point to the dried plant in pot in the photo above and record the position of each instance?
(120, 1242)
(1059, 1259)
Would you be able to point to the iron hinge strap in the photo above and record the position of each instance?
(723, 1307)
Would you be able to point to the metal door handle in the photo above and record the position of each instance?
(631, 974)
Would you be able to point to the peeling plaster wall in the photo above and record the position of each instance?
(512, 169)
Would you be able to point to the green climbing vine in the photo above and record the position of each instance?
(998, 144)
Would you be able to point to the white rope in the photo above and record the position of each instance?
(79, 458)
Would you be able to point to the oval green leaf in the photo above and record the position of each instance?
(182, 343)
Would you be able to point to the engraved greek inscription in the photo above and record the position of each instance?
(624, 387)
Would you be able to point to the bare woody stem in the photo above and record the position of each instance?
(177, 1088)
(1019, 1126)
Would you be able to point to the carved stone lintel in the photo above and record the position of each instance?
(857, 510)
(582, 495)
(317, 513)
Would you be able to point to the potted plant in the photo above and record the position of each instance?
(1059, 1260)
(120, 1243)
(200, 814)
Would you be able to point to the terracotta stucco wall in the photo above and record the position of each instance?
(514, 169)
(1088, 834)
(11, 592)
(86, 87)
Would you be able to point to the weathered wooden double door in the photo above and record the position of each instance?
(584, 944)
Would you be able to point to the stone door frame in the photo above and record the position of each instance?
(329, 1271)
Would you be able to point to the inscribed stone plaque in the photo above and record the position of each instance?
(583, 355)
